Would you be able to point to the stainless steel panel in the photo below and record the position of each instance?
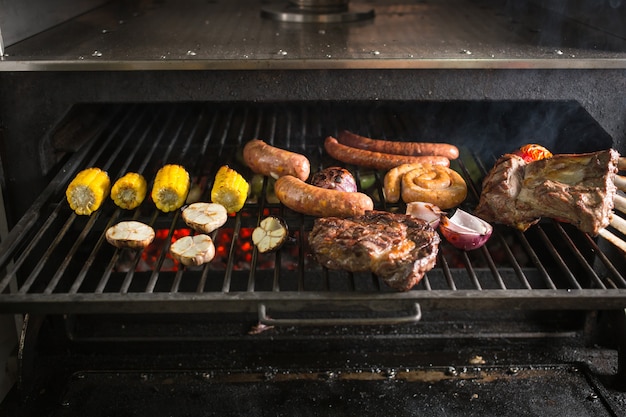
(233, 35)
(21, 19)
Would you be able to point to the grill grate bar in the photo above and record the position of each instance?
(441, 260)
(198, 168)
(493, 268)
(40, 265)
(106, 274)
(177, 279)
(606, 262)
(255, 253)
(558, 258)
(426, 283)
(70, 254)
(161, 259)
(231, 257)
(519, 273)
(471, 185)
(579, 256)
(203, 280)
(174, 142)
(535, 260)
(15, 266)
(470, 271)
(278, 262)
(80, 277)
(276, 274)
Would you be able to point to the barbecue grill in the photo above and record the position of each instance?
(532, 320)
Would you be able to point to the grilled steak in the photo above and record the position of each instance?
(398, 248)
(574, 188)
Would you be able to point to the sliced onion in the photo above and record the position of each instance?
(465, 231)
(425, 211)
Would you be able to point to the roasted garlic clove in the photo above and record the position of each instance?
(270, 235)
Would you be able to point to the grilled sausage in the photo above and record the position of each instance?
(376, 160)
(320, 202)
(275, 162)
(392, 184)
(398, 148)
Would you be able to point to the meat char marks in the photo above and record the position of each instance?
(398, 248)
(574, 188)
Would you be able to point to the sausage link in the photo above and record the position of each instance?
(376, 160)
(275, 162)
(320, 202)
(398, 148)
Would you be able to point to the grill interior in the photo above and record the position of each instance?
(57, 262)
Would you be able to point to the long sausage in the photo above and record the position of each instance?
(377, 160)
(398, 148)
(275, 162)
(320, 202)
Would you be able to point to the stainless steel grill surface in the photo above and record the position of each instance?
(57, 262)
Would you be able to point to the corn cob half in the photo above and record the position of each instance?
(230, 189)
(129, 191)
(87, 190)
(170, 188)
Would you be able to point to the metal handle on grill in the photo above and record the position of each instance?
(414, 316)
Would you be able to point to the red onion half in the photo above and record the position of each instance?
(465, 231)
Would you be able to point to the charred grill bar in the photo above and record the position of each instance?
(137, 85)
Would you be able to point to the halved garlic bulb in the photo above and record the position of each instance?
(270, 234)
(425, 211)
(464, 230)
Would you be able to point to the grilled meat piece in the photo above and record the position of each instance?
(573, 188)
(396, 247)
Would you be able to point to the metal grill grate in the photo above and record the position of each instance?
(55, 261)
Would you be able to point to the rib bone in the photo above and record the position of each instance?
(621, 163)
(619, 203)
(620, 182)
(619, 243)
(618, 223)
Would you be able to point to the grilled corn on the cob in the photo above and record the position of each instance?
(170, 188)
(129, 191)
(230, 189)
(88, 190)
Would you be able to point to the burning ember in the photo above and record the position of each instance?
(150, 256)
(153, 257)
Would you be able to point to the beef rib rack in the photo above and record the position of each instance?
(573, 188)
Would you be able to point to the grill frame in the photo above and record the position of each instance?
(40, 88)
(227, 127)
